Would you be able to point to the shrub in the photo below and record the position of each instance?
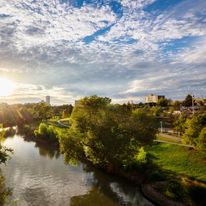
(46, 132)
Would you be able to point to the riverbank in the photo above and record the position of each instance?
(176, 178)
(160, 183)
(180, 160)
(44, 179)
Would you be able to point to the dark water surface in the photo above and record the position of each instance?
(39, 177)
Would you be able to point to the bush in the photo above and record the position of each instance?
(46, 132)
(201, 140)
(175, 190)
(4, 191)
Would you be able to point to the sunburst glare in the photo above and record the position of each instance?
(6, 86)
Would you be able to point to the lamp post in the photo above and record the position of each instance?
(161, 126)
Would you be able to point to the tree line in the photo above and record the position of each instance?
(19, 114)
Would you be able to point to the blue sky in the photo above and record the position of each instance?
(123, 49)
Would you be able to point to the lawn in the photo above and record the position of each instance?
(166, 139)
(181, 160)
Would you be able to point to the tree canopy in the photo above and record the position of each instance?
(107, 134)
(195, 132)
(187, 101)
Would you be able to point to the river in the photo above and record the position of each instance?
(39, 177)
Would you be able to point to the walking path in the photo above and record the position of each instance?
(62, 124)
(170, 137)
(184, 145)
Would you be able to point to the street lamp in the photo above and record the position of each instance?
(161, 126)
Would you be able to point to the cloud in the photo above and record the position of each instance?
(119, 49)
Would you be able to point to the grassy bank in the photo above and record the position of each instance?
(180, 160)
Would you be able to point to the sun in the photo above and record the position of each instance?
(6, 86)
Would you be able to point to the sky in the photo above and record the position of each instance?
(122, 49)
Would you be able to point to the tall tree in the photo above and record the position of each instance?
(163, 102)
(188, 101)
(107, 135)
(195, 130)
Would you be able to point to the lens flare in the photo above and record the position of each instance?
(6, 86)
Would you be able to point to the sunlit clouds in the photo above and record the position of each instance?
(121, 49)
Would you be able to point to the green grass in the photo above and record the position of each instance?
(180, 160)
(167, 139)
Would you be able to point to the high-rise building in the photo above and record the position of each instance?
(48, 100)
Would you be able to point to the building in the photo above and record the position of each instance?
(153, 98)
(76, 102)
(48, 100)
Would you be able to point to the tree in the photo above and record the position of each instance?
(202, 139)
(46, 132)
(179, 124)
(42, 111)
(195, 130)
(4, 191)
(67, 112)
(163, 102)
(107, 135)
(4, 151)
(176, 105)
(188, 101)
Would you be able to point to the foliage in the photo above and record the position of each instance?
(20, 114)
(141, 156)
(202, 139)
(46, 132)
(4, 191)
(176, 105)
(187, 101)
(4, 153)
(156, 111)
(67, 111)
(70, 145)
(179, 124)
(163, 102)
(180, 160)
(4, 156)
(175, 190)
(107, 134)
(193, 134)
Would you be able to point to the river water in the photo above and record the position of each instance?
(39, 177)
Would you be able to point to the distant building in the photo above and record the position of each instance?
(76, 102)
(153, 98)
(48, 100)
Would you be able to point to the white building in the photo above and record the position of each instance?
(48, 100)
(153, 98)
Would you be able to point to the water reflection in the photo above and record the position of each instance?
(39, 176)
(91, 199)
